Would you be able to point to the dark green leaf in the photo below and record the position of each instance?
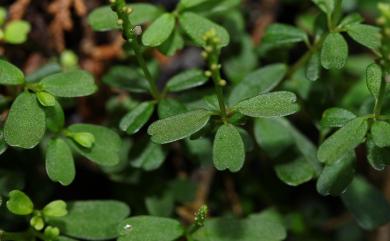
(374, 77)
(334, 51)
(366, 35)
(10, 74)
(186, 80)
(313, 67)
(55, 117)
(174, 43)
(295, 173)
(19, 203)
(380, 131)
(59, 162)
(278, 35)
(137, 118)
(159, 30)
(377, 157)
(170, 107)
(151, 157)
(127, 78)
(336, 117)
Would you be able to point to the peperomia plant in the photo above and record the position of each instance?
(207, 131)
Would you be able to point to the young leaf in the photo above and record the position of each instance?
(374, 77)
(59, 162)
(16, 32)
(335, 178)
(55, 209)
(334, 51)
(196, 26)
(10, 74)
(313, 67)
(295, 173)
(170, 107)
(366, 35)
(151, 157)
(74, 83)
(179, 126)
(19, 203)
(343, 141)
(228, 149)
(186, 80)
(274, 104)
(258, 82)
(336, 117)
(92, 220)
(380, 131)
(150, 228)
(367, 204)
(137, 118)
(46, 99)
(25, 124)
(159, 30)
(106, 148)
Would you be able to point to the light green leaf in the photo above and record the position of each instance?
(159, 30)
(142, 228)
(186, 80)
(170, 107)
(19, 203)
(327, 6)
(295, 173)
(343, 141)
(228, 149)
(46, 99)
(25, 124)
(59, 162)
(380, 131)
(55, 209)
(374, 77)
(366, 35)
(334, 51)
(70, 84)
(10, 74)
(367, 204)
(336, 117)
(151, 157)
(274, 104)
(55, 118)
(92, 220)
(282, 34)
(137, 118)
(313, 67)
(258, 82)
(179, 126)
(106, 148)
(196, 26)
(335, 178)
(3, 15)
(16, 32)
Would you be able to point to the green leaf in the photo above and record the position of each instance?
(84, 139)
(336, 117)
(19, 203)
(10, 74)
(151, 157)
(282, 34)
(367, 204)
(137, 118)
(161, 207)
(374, 77)
(366, 35)
(106, 148)
(274, 104)
(59, 162)
(3, 15)
(313, 67)
(295, 173)
(74, 83)
(55, 118)
(186, 80)
(353, 18)
(343, 141)
(228, 149)
(159, 30)
(16, 32)
(150, 228)
(196, 26)
(335, 178)
(126, 78)
(25, 124)
(170, 107)
(185, 4)
(179, 126)
(334, 51)
(55, 209)
(377, 157)
(46, 99)
(327, 6)
(92, 220)
(174, 43)
(258, 82)
(144, 12)
(380, 131)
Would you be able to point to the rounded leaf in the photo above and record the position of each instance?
(16, 31)
(55, 209)
(159, 30)
(19, 203)
(137, 118)
(59, 162)
(10, 74)
(334, 51)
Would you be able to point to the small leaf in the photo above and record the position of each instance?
(367, 204)
(179, 126)
(343, 141)
(336, 117)
(366, 35)
(137, 118)
(19, 203)
(327, 6)
(59, 162)
(170, 107)
(295, 173)
(70, 84)
(228, 149)
(16, 31)
(106, 148)
(84, 139)
(185, 4)
(10, 74)
(377, 157)
(374, 77)
(196, 26)
(141, 228)
(335, 178)
(334, 51)
(25, 124)
(46, 99)
(159, 30)
(313, 67)
(151, 157)
(274, 104)
(186, 80)
(282, 34)
(55, 209)
(92, 220)
(380, 131)
(353, 18)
